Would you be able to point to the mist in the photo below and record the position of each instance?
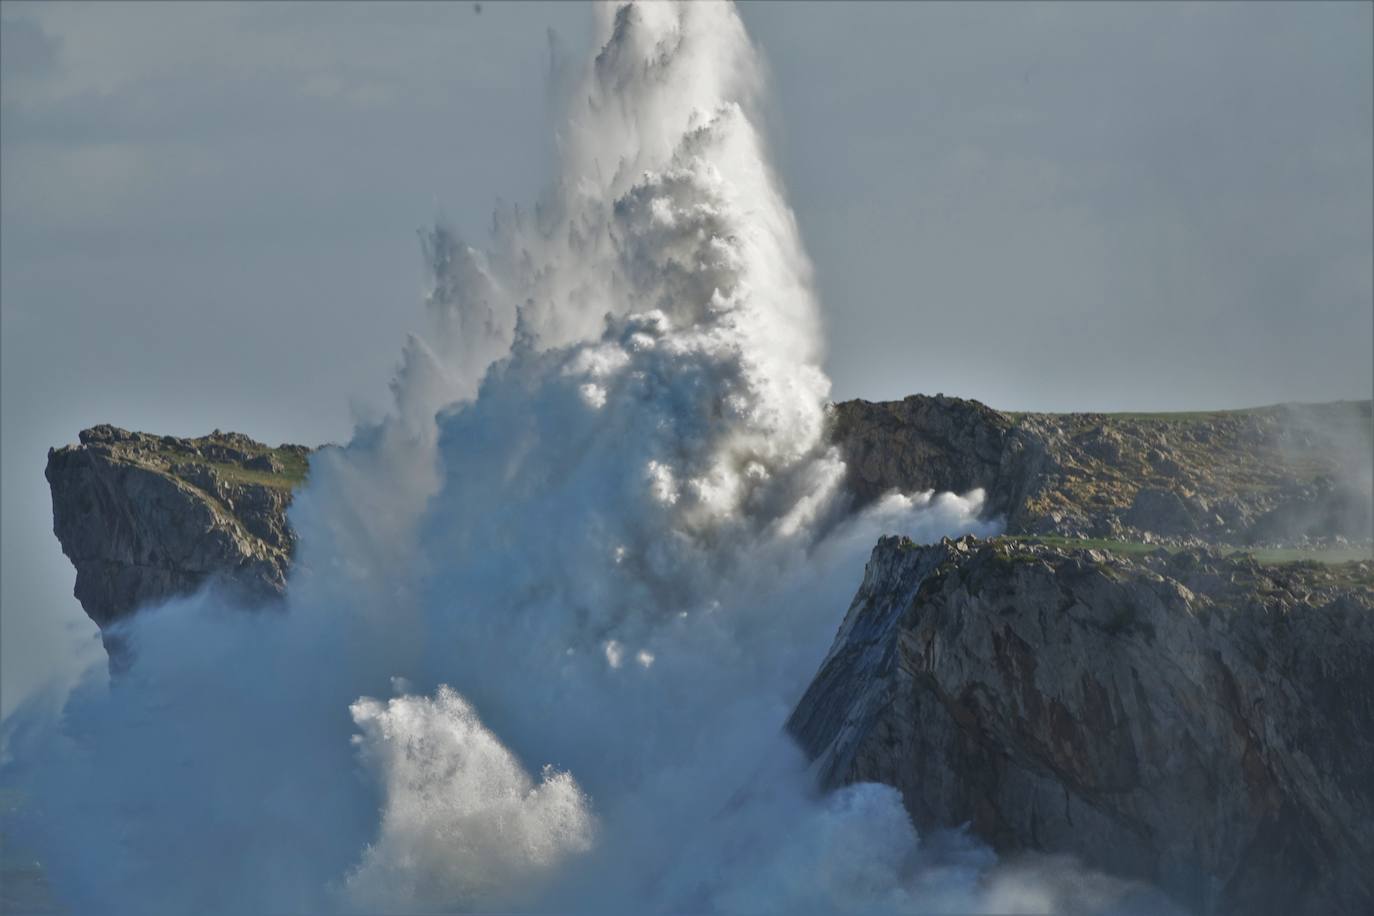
(549, 614)
(189, 190)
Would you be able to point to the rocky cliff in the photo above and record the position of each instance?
(147, 518)
(1290, 473)
(1200, 722)
(144, 518)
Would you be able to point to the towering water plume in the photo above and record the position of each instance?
(599, 539)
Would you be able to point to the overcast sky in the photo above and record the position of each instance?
(208, 213)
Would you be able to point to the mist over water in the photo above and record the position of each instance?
(548, 617)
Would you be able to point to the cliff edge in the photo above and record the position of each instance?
(1198, 720)
(1284, 474)
(1201, 722)
(144, 518)
(147, 518)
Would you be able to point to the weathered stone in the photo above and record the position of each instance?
(920, 443)
(1162, 511)
(145, 519)
(1239, 477)
(1275, 474)
(264, 462)
(1202, 723)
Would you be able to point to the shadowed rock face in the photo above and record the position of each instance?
(148, 518)
(1278, 474)
(144, 518)
(922, 443)
(1202, 723)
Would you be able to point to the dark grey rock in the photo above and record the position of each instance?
(1161, 511)
(264, 462)
(1202, 723)
(1269, 475)
(145, 519)
(920, 443)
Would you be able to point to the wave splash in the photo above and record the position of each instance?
(601, 537)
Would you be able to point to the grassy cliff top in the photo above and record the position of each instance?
(233, 457)
(1269, 556)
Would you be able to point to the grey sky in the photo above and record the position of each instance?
(209, 211)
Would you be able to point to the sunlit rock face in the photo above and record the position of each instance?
(1203, 723)
(146, 518)
(1286, 474)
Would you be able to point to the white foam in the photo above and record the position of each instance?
(611, 450)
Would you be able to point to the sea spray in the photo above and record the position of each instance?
(548, 617)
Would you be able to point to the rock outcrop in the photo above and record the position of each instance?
(144, 517)
(147, 518)
(1283, 474)
(1200, 722)
(923, 443)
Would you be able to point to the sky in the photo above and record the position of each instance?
(208, 212)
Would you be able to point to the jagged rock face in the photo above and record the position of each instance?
(144, 517)
(148, 518)
(1280, 474)
(1202, 723)
(921, 443)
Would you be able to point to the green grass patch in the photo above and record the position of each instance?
(1130, 548)
(295, 466)
(1183, 416)
(1149, 416)
(1353, 413)
(1328, 555)
(1280, 555)
(294, 470)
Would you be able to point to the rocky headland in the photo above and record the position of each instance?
(1128, 675)
(1198, 721)
(1287, 474)
(146, 518)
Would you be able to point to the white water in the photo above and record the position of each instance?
(548, 618)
